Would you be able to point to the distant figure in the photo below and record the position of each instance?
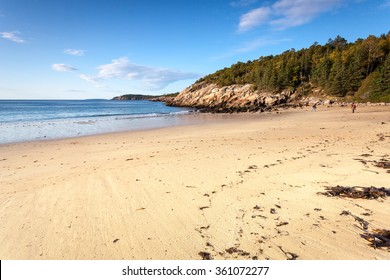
(314, 107)
(353, 107)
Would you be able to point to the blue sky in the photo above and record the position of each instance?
(66, 49)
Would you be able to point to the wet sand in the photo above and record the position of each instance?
(228, 187)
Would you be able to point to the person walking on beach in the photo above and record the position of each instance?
(353, 107)
(314, 107)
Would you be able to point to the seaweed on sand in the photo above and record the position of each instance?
(361, 221)
(205, 255)
(357, 192)
(382, 164)
(379, 238)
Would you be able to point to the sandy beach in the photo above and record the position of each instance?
(230, 187)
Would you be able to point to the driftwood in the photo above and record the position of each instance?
(357, 192)
(379, 238)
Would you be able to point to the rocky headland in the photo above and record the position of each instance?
(241, 98)
(335, 73)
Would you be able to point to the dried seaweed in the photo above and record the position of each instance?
(357, 192)
(233, 250)
(205, 255)
(379, 238)
(289, 255)
(361, 221)
(382, 164)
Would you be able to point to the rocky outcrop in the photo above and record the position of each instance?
(163, 98)
(234, 98)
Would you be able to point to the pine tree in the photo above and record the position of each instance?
(339, 67)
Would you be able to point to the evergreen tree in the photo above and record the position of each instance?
(339, 67)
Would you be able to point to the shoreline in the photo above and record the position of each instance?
(232, 186)
(180, 120)
(80, 118)
(189, 118)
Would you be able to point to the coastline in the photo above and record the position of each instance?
(34, 120)
(205, 187)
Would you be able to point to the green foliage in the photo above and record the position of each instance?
(171, 94)
(376, 87)
(143, 96)
(339, 67)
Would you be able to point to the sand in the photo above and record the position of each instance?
(231, 187)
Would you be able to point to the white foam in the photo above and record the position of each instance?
(67, 128)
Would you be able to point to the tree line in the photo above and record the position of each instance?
(359, 70)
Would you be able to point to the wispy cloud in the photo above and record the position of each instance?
(251, 46)
(385, 4)
(13, 36)
(63, 68)
(254, 18)
(74, 90)
(153, 78)
(90, 78)
(258, 43)
(75, 52)
(291, 13)
(242, 3)
(284, 14)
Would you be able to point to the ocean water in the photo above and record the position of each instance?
(29, 120)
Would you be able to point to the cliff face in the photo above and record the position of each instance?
(229, 98)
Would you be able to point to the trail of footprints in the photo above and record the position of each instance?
(257, 212)
(260, 213)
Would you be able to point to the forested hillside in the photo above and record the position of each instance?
(359, 70)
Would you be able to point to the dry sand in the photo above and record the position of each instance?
(234, 187)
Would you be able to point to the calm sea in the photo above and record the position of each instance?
(28, 120)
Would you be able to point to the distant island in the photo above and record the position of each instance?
(163, 98)
(335, 72)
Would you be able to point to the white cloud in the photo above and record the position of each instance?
(254, 18)
(290, 13)
(13, 36)
(63, 68)
(89, 78)
(74, 52)
(152, 78)
(284, 14)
